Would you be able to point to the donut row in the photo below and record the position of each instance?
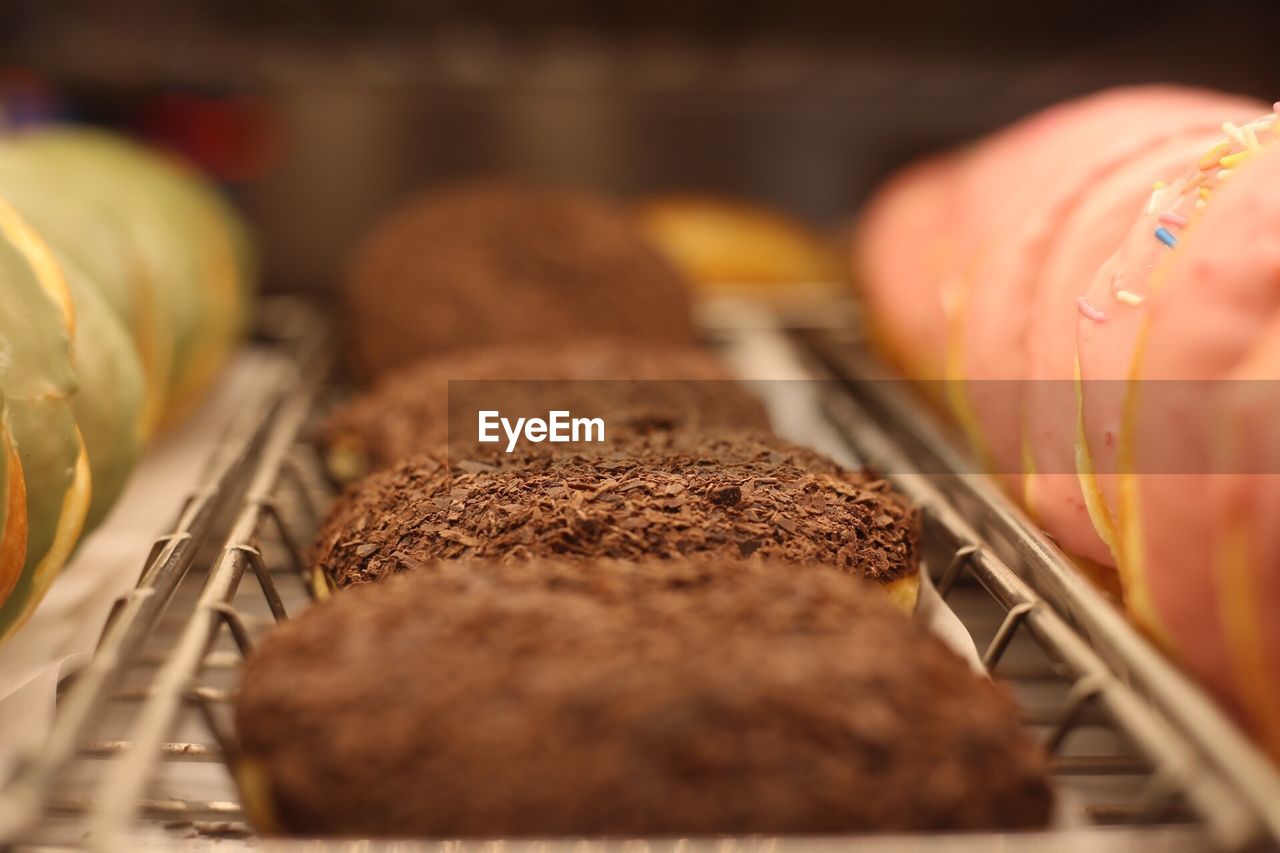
(126, 280)
(690, 627)
(1099, 286)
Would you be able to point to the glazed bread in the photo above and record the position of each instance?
(726, 245)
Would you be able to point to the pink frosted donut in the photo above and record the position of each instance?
(1120, 292)
(1082, 241)
(1116, 259)
(903, 246)
(1034, 175)
(1210, 304)
(1244, 507)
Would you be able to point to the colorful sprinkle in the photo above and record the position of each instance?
(1251, 137)
(1089, 311)
(1165, 236)
(1128, 297)
(1233, 130)
(1200, 204)
(1171, 218)
(1203, 192)
(1210, 161)
(1233, 160)
(1223, 174)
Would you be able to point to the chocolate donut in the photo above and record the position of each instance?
(635, 387)
(598, 698)
(730, 495)
(494, 263)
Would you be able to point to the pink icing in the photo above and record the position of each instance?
(1088, 139)
(1038, 212)
(902, 247)
(1213, 307)
(1085, 239)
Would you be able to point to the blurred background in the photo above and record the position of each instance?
(318, 116)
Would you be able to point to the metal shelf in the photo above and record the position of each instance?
(143, 753)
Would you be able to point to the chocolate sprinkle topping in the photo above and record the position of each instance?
(497, 264)
(739, 494)
(637, 389)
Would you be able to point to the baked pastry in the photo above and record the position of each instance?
(124, 284)
(600, 698)
(994, 323)
(110, 400)
(37, 321)
(634, 387)
(190, 254)
(492, 263)
(727, 245)
(13, 508)
(1177, 413)
(1096, 314)
(1000, 279)
(161, 248)
(904, 243)
(697, 496)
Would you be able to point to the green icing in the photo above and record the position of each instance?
(4, 472)
(193, 250)
(99, 263)
(48, 447)
(109, 405)
(159, 267)
(35, 346)
(150, 198)
(37, 379)
(82, 231)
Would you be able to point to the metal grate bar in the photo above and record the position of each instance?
(123, 786)
(131, 621)
(1196, 751)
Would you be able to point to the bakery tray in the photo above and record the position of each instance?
(142, 752)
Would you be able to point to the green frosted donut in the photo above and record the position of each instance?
(37, 322)
(85, 232)
(183, 231)
(109, 407)
(113, 321)
(229, 269)
(13, 510)
(103, 272)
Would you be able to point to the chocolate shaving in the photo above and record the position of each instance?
(758, 496)
(493, 264)
(637, 389)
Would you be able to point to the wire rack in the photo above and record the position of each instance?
(143, 755)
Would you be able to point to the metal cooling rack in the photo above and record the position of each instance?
(143, 755)
(1185, 759)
